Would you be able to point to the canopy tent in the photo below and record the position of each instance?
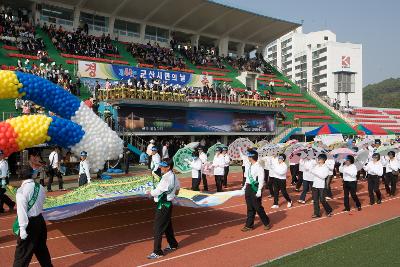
(371, 129)
(324, 129)
(340, 128)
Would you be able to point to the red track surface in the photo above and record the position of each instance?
(120, 233)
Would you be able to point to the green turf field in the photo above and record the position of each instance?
(376, 246)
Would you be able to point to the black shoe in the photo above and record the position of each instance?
(330, 214)
(315, 216)
(246, 229)
(1, 210)
(359, 208)
(346, 210)
(371, 203)
(11, 208)
(379, 201)
(170, 249)
(49, 190)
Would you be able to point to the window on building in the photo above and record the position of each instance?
(344, 82)
(156, 34)
(95, 22)
(55, 14)
(125, 28)
(326, 38)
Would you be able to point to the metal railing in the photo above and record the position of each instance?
(9, 115)
(281, 134)
(348, 120)
(313, 94)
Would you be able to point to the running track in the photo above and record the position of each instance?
(120, 233)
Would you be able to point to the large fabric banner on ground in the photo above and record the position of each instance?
(87, 69)
(93, 195)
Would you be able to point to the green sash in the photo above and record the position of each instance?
(253, 183)
(31, 202)
(162, 198)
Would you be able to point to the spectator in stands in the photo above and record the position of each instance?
(287, 85)
(78, 43)
(204, 56)
(156, 55)
(272, 86)
(17, 31)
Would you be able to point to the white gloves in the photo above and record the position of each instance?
(244, 188)
(258, 194)
(22, 234)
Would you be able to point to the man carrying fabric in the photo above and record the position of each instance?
(30, 225)
(163, 195)
(253, 188)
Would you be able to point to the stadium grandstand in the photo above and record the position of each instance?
(386, 118)
(140, 108)
(221, 47)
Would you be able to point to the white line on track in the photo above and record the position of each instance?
(144, 209)
(187, 230)
(250, 237)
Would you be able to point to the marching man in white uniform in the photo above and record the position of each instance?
(219, 165)
(253, 191)
(155, 161)
(30, 226)
(203, 158)
(195, 164)
(4, 199)
(84, 174)
(163, 195)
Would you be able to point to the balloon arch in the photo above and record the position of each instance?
(76, 126)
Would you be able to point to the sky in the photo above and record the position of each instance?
(374, 24)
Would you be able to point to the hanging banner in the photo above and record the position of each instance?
(87, 69)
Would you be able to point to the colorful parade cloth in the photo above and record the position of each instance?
(98, 193)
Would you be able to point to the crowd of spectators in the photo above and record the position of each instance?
(208, 56)
(156, 55)
(52, 72)
(202, 56)
(79, 42)
(137, 87)
(16, 30)
(255, 64)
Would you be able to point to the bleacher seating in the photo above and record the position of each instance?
(304, 111)
(17, 55)
(104, 60)
(10, 47)
(288, 94)
(212, 69)
(385, 118)
(322, 117)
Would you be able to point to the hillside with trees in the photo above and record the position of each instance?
(385, 94)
